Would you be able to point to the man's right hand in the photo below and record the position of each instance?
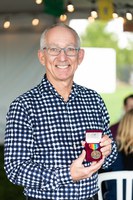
(79, 172)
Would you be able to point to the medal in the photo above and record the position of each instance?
(95, 154)
(92, 145)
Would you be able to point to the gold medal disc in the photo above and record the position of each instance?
(95, 154)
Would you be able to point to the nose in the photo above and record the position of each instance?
(62, 55)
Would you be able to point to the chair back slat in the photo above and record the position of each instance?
(119, 186)
(129, 188)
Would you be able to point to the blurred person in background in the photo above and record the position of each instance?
(127, 105)
(124, 161)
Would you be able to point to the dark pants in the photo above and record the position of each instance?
(92, 198)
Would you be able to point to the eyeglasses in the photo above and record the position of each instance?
(55, 51)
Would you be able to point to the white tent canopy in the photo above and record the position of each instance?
(20, 69)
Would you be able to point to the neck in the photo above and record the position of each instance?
(63, 88)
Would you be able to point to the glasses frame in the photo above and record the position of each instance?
(62, 49)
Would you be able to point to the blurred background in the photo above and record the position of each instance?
(106, 31)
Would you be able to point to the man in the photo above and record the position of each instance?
(127, 105)
(45, 132)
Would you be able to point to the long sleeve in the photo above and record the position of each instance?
(19, 154)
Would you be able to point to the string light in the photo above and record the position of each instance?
(35, 22)
(6, 24)
(121, 19)
(38, 1)
(129, 16)
(114, 15)
(63, 18)
(118, 12)
(70, 7)
(94, 14)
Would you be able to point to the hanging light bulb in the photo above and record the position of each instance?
(94, 14)
(114, 15)
(121, 19)
(129, 16)
(6, 24)
(70, 7)
(39, 1)
(35, 22)
(63, 18)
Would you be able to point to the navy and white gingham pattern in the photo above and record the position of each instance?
(43, 137)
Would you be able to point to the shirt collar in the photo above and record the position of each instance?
(45, 87)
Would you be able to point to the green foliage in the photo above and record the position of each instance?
(114, 101)
(8, 191)
(55, 8)
(97, 35)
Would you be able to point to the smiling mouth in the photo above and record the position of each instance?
(62, 66)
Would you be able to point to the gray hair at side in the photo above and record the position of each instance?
(43, 36)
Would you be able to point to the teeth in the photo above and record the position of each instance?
(62, 66)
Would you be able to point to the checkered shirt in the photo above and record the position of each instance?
(43, 137)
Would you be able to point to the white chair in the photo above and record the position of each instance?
(118, 176)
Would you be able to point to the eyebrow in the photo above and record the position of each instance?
(57, 45)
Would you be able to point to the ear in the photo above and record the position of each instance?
(41, 57)
(80, 56)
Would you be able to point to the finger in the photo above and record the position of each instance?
(93, 163)
(83, 143)
(104, 138)
(105, 151)
(82, 156)
(101, 161)
(95, 166)
(106, 142)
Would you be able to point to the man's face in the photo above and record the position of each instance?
(129, 104)
(60, 67)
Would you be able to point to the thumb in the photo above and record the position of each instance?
(82, 155)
